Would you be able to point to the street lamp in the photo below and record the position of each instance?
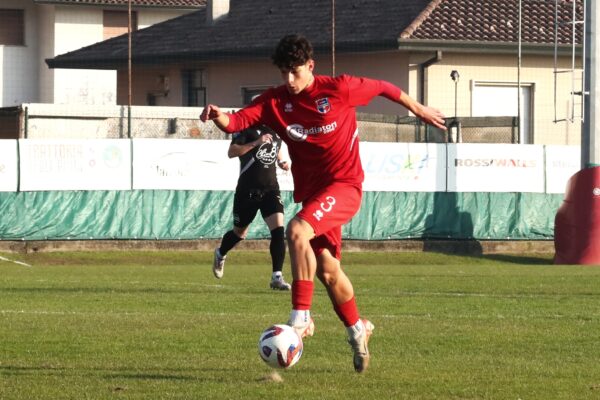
(454, 127)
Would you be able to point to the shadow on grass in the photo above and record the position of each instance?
(454, 247)
(101, 290)
(146, 376)
(468, 249)
(519, 259)
(11, 370)
(14, 370)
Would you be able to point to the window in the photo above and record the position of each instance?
(194, 92)
(116, 23)
(501, 99)
(249, 93)
(12, 27)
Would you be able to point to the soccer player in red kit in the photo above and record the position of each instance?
(315, 116)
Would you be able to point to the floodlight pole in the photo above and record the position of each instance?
(332, 37)
(519, 67)
(590, 145)
(129, 69)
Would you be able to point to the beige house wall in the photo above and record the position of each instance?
(536, 71)
(51, 30)
(224, 83)
(18, 75)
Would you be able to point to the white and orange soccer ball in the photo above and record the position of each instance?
(280, 346)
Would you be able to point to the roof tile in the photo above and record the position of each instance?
(497, 21)
(252, 28)
(155, 3)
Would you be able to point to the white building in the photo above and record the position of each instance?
(34, 30)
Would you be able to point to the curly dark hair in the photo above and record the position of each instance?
(292, 51)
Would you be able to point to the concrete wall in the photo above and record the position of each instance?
(536, 71)
(46, 38)
(225, 81)
(18, 64)
(52, 30)
(77, 27)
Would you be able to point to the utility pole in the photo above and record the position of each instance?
(590, 143)
(129, 69)
(332, 37)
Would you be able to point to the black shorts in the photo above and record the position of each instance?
(247, 203)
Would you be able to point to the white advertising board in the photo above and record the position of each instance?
(9, 175)
(495, 168)
(403, 167)
(177, 164)
(75, 164)
(562, 162)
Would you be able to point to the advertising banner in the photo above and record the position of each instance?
(75, 164)
(562, 162)
(9, 174)
(495, 168)
(178, 164)
(404, 167)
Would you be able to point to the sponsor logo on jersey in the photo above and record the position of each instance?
(299, 133)
(323, 105)
(288, 107)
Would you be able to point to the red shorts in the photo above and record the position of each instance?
(327, 211)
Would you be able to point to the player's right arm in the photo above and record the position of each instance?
(213, 113)
(248, 116)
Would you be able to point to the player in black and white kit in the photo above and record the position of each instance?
(258, 149)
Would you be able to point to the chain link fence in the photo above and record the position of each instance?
(39, 121)
(385, 128)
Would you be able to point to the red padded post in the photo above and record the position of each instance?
(577, 222)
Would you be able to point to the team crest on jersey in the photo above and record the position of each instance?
(288, 107)
(267, 153)
(323, 105)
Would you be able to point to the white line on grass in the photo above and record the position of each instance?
(15, 261)
(205, 314)
(112, 313)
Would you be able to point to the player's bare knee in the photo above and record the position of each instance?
(328, 278)
(295, 232)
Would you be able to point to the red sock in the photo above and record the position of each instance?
(347, 312)
(302, 293)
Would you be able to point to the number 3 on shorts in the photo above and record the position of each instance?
(325, 208)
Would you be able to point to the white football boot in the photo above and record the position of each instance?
(359, 342)
(218, 264)
(303, 324)
(277, 283)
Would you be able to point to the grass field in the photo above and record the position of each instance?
(157, 325)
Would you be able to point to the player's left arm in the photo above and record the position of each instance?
(362, 90)
(429, 115)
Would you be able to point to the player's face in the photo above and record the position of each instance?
(298, 78)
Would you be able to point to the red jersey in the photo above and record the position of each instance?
(319, 127)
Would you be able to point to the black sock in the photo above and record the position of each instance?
(277, 248)
(230, 239)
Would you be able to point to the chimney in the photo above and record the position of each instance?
(216, 9)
